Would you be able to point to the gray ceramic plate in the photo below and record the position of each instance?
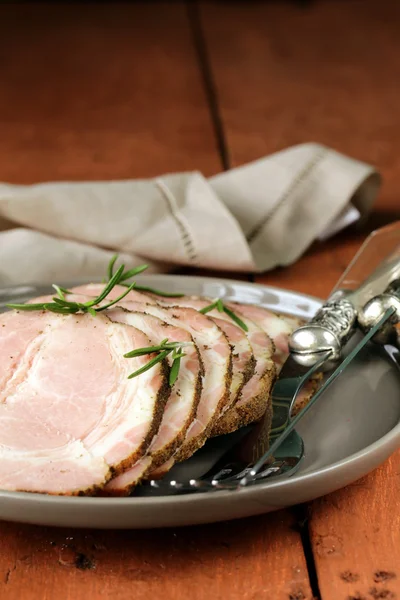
(352, 429)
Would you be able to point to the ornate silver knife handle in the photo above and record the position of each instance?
(330, 329)
(336, 321)
(373, 310)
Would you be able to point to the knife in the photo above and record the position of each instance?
(317, 346)
(373, 268)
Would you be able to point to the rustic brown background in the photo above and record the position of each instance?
(132, 90)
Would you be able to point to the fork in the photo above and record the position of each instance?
(240, 456)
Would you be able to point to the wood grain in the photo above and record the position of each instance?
(99, 91)
(355, 535)
(112, 91)
(229, 560)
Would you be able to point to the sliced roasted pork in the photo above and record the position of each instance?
(182, 404)
(243, 361)
(278, 327)
(253, 400)
(216, 355)
(69, 415)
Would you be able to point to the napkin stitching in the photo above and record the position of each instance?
(286, 195)
(186, 237)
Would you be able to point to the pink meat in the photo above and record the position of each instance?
(243, 360)
(182, 404)
(69, 416)
(278, 327)
(216, 355)
(262, 351)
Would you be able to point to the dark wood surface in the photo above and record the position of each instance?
(134, 90)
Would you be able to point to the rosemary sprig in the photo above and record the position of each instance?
(63, 306)
(143, 288)
(163, 350)
(133, 273)
(150, 364)
(221, 307)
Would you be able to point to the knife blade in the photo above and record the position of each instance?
(317, 346)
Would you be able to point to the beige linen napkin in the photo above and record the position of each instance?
(249, 219)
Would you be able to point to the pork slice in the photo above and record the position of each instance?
(215, 351)
(181, 407)
(243, 360)
(278, 327)
(69, 416)
(253, 400)
(216, 356)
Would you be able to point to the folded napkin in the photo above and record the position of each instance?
(249, 219)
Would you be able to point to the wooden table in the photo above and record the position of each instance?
(112, 91)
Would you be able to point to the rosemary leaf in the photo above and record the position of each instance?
(143, 288)
(130, 288)
(57, 308)
(60, 291)
(68, 304)
(220, 305)
(208, 308)
(134, 272)
(172, 345)
(27, 307)
(174, 372)
(64, 290)
(63, 306)
(178, 355)
(235, 318)
(115, 279)
(150, 364)
(110, 268)
(149, 350)
(127, 274)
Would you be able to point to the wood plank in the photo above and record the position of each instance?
(324, 72)
(100, 91)
(232, 560)
(355, 534)
(95, 91)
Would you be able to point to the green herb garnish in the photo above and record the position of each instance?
(136, 271)
(220, 306)
(63, 306)
(143, 288)
(163, 350)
